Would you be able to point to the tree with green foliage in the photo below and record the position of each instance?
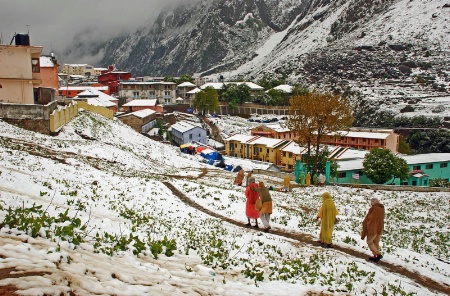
(403, 146)
(185, 78)
(206, 100)
(169, 79)
(236, 94)
(279, 97)
(381, 165)
(270, 83)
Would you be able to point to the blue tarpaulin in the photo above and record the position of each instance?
(229, 167)
(211, 154)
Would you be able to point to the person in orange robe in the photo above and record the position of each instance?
(252, 196)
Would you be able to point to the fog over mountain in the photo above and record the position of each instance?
(392, 54)
(76, 30)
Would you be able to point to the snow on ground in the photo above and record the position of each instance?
(97, 216)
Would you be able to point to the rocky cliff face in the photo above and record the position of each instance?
(208, 35)
(392, 54)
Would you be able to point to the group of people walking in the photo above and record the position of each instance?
(259, 203)
(259, 206)
(372, 225)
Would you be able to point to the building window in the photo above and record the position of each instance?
(190, 136)
(404, 183)
(35, 67)
(443, 165)
(429, 166)
(342, 174)
(290, 155)
(416, 167)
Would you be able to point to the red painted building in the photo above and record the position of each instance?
(112, 78)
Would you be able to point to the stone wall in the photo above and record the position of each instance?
(36, 125)
(24, 111)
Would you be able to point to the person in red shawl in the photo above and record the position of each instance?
(251, 196)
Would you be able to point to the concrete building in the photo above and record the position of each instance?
(78, 69)
(423, 167)
(164, 92)
(185, 132)
(137, 105)
(95, 97)
(49, 73)
(141, 121)
(20, 73)
(73, 91)
(355, 138)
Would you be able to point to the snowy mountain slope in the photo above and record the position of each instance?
(389, 53)
(89, 212)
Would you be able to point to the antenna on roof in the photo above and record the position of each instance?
(28, 29)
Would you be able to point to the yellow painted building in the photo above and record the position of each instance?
(266, 149)
(238, 146)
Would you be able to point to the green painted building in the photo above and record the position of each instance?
(423, 168)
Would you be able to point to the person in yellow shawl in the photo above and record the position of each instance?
(266, 207)
(287, 183)
(327, 213)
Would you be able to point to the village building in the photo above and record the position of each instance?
(85, 70)
(265, 149)
(139, 104)
(164, 92)
(141, 121)
(70, 91)
(423, 167)
(112, 78)
(185, 132)
(95, 97)
(238, 145)
(49, 73)
(364, 139)
(355, 138)
(255, 89)
(20, 72)
(183, 89)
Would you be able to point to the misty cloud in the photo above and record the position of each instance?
(72, 28)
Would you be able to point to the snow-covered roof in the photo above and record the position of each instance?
(146, 82)
(351, 154)
(367, 135)
(184, 126)
(294, 148)
(278, 128)
(220, 85)
(141, 113)
(84, 87)
(241, 138)
(426, 158)
(46, 62)
(357, 164)
(194, 91)
(137, 103)
(284, 88)
(268, 142)
(186, 84)
(179, 99)
(99, 102)
(92, 92)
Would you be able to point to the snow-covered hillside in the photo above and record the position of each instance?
(391, 55)
(102, 210)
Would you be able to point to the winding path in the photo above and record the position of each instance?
(308, 239)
